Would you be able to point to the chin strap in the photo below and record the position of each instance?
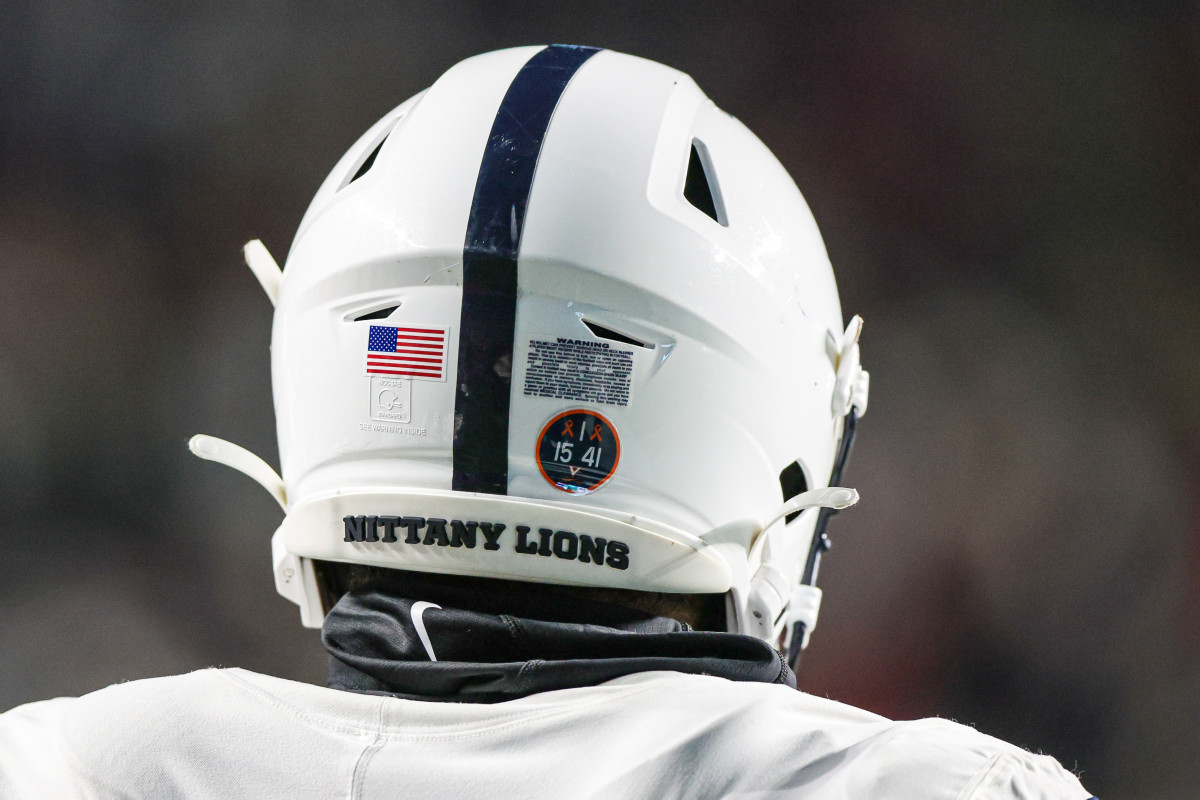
(806, 597)
(850, 393)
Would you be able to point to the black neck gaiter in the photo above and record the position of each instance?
(512, 646)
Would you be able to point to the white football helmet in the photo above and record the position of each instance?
(560, 319)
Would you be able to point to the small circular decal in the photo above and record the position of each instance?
(578, 451)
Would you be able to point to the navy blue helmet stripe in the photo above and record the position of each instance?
(489, 305)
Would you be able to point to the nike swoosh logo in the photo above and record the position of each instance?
(416, 611)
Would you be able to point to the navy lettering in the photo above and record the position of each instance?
(355, 529)
(491, 533)
(566, 545)
(591, 551)
(412, 523)
(389, 528)
(462, 533)
(523, 544)
(618, 555)
(435, 532)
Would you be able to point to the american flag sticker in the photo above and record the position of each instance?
(414, 352)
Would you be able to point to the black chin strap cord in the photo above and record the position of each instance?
(820, 540)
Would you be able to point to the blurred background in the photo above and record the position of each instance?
(1010, 194)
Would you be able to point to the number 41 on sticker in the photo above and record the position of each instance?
(592, 456)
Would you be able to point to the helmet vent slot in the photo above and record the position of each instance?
(700, 186)
(792, 482)
(602, 332)
(382, 313)
(367, 163)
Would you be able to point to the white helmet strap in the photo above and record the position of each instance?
(850, 394)
(770, 593)
(237, 457)
(806, 597)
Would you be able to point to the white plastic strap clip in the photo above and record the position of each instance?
(296, 580)
(231, 455)
(852, 384)
(830, 497)
(805, 606)
(260, 262)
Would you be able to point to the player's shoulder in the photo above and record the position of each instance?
(71, 746)
(815, 739)
(139, 701)
(773, 703)
(205, 734)
(215, 699)
(134, 717)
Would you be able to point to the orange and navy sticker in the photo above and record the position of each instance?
(578, 451)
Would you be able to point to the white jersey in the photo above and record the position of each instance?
(229, 733)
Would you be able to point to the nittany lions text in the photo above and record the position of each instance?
(458, 533)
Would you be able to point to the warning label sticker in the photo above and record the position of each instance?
(573, 369)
